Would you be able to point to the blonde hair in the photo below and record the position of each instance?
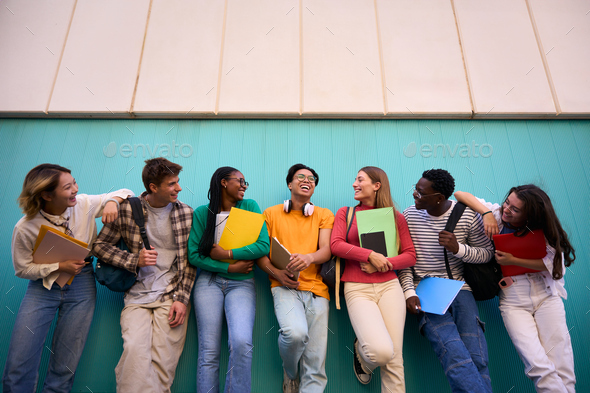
(44, 177)
(383, 194)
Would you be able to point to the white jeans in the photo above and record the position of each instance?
(378, 314)
(536, 323)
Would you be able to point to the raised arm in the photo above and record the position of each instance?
(490, 222)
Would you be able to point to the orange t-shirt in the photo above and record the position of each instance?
(300, 234)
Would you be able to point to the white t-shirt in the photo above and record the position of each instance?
(152, 280)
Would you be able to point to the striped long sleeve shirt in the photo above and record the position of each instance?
(474, 246)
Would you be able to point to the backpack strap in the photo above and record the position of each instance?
(349, 217)
(450, 227)
(138, 217)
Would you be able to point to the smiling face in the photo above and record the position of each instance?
(425, 197)
(63, 196)
(364, 189)
(166, 192)
(513, 211)
(234, 186)
(302, 188)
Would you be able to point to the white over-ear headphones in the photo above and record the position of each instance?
(307, 208)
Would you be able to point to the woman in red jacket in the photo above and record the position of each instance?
(374, 297)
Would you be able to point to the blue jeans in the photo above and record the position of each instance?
(303, 338)
(213, 296)
(459, 343)
(75, 307)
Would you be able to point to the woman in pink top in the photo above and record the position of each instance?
(374, 297)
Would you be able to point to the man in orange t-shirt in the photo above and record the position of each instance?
(301, 305)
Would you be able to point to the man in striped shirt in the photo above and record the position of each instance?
(457, 336)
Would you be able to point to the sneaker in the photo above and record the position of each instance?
(290, 385)
(360, 373)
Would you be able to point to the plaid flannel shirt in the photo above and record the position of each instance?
(124, 226)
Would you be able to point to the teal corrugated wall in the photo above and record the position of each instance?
(485, 157)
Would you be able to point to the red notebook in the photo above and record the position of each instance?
(530, 246)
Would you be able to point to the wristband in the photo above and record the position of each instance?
(489, 211)
(114, 200)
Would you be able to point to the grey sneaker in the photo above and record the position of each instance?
(360, 373)
(290, 385)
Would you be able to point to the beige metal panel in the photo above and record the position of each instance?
(260, 72)
(180, 62)
(423, 66)
(564, 33)
(341, 65)
(503, 61)
(32, 35)
(100, 61)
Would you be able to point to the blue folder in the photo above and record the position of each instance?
(436, 294)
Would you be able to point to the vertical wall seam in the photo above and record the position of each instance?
(464, 59)
(63, 49)
(147, 22)
(381, 61)
(300, 57)
(221, 58)
(543, 59)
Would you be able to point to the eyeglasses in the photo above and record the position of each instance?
(420, 195)
(242, 181)
(302, 177)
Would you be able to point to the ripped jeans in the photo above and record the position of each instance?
(459, 343)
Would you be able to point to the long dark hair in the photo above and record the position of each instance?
(540, 214)
(214, 197)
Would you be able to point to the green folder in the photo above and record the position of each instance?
(377, 220)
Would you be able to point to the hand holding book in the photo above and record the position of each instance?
(72, 266)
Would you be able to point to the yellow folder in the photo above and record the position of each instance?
(52, 246)
(241, 229)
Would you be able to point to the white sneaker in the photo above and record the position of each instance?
(290, 385)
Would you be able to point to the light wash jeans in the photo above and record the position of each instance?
(535, 321)
(214, 296)
(75, 307)
(303, 338)
(459, 343)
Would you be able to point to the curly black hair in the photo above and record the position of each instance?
(442, 181)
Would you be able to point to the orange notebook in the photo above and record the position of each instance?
(52, 246)
(530, 246)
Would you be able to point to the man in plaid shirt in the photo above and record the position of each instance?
(157, 305)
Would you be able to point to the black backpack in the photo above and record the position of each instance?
(115, 278)
(483, 278)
